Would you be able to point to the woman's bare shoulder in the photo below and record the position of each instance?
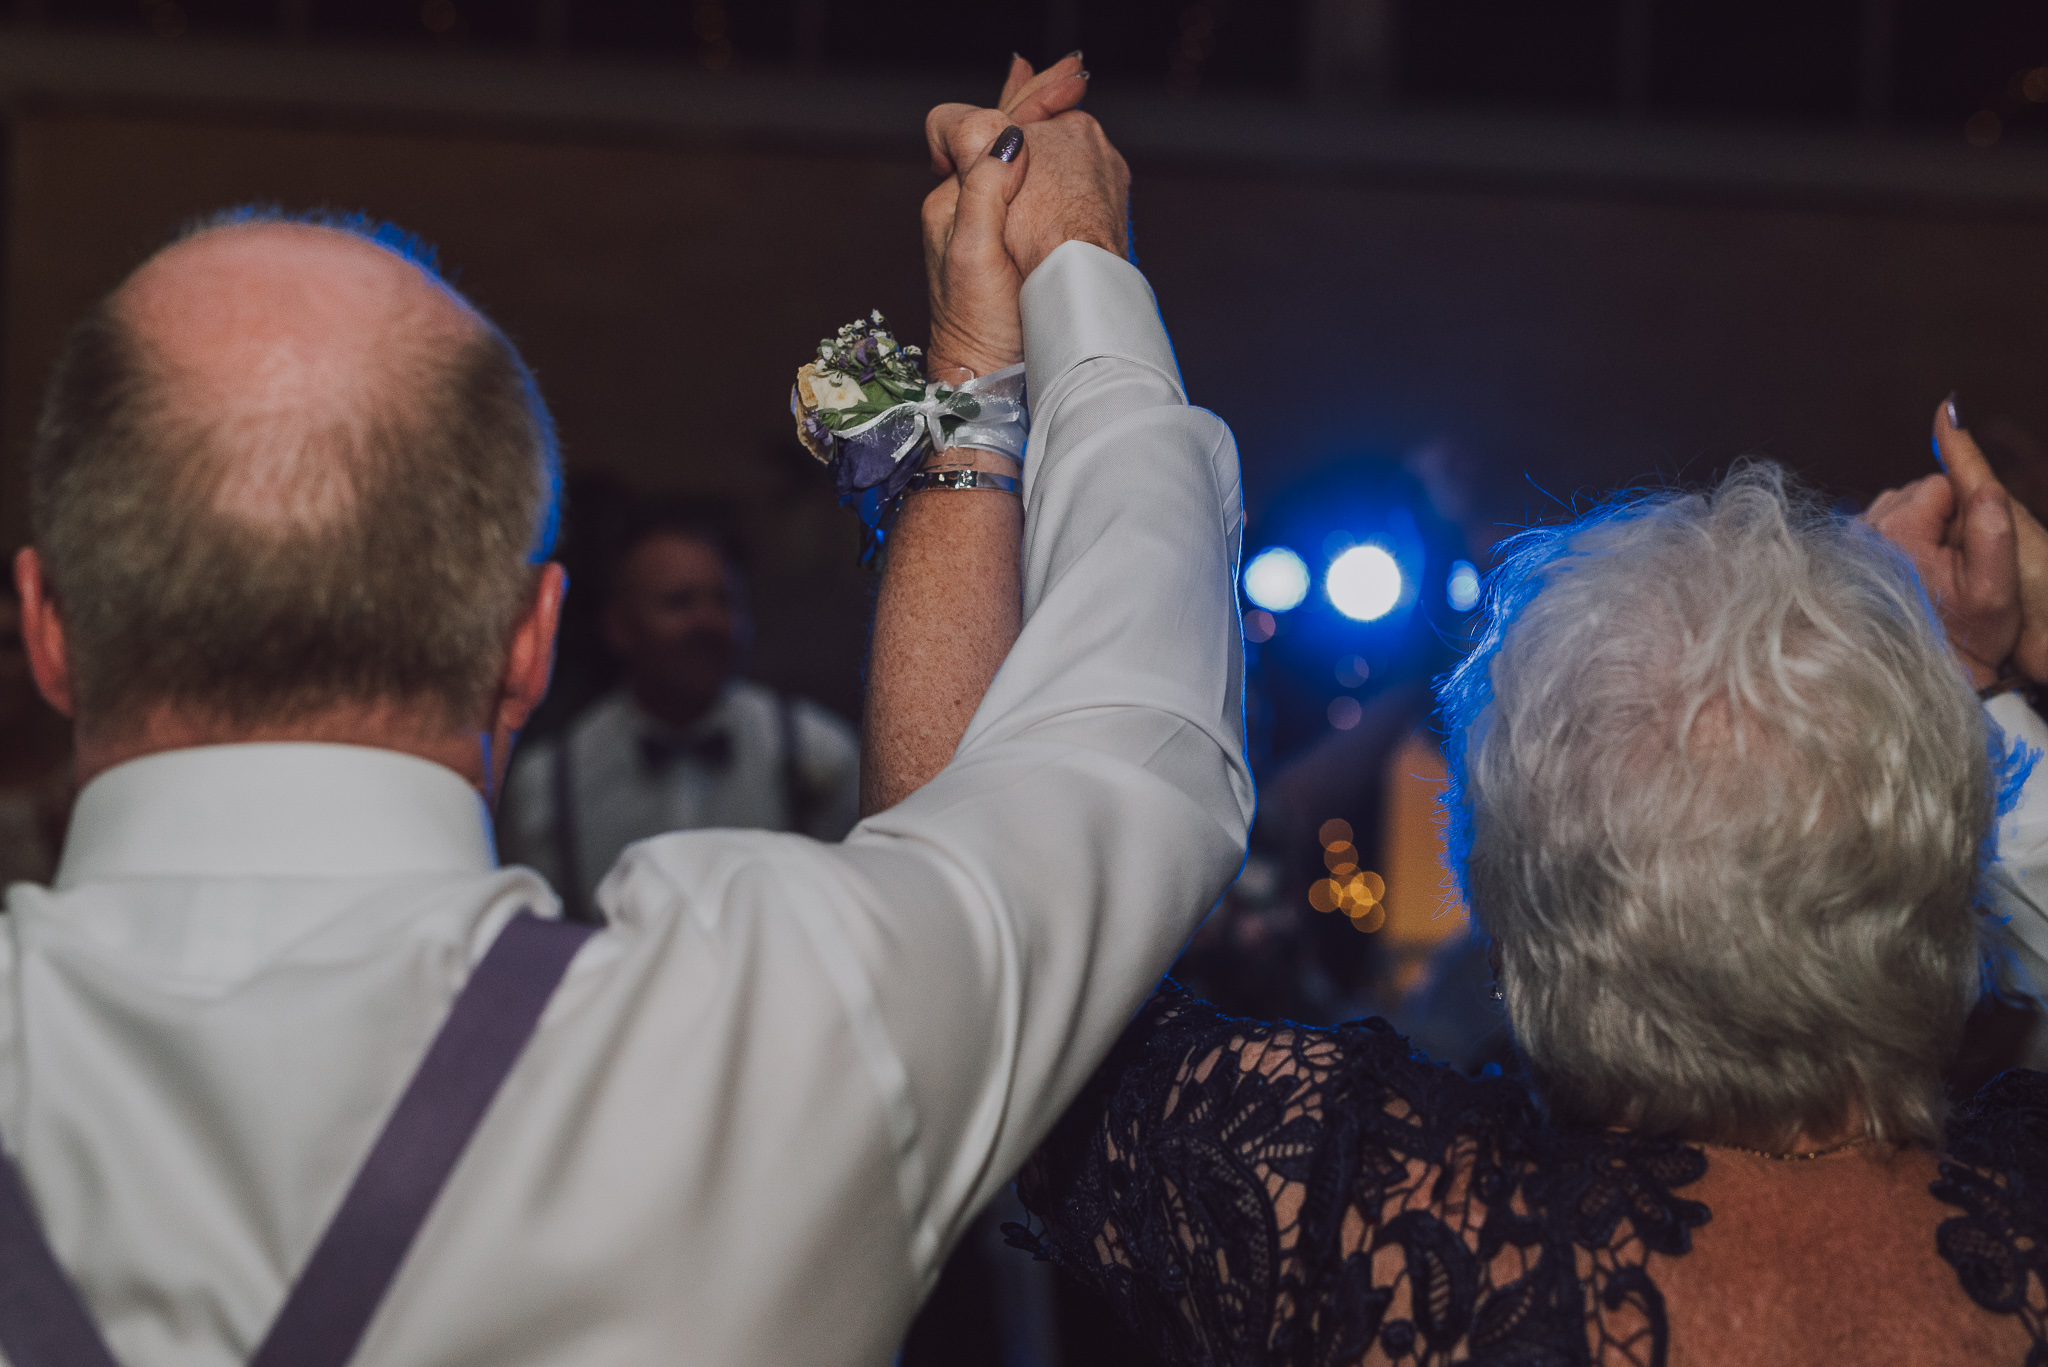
(1838, 1259)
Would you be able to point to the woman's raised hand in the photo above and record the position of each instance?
(977, 258)
(1972, 477)
(1963, 533)
(1028, 97)
(973, 273)
(974, 282)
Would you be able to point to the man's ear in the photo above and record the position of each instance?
(42, 632)
(531, 659)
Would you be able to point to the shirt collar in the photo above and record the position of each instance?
(277, 811)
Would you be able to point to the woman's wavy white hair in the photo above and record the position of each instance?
(1722, 799)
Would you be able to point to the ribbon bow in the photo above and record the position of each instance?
(987, 413)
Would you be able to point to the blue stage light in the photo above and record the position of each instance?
(1364, 583)
(1276, 579)
(1462, 588)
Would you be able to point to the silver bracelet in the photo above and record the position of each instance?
(960, 477)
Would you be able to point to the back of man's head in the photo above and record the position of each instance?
(282, 469)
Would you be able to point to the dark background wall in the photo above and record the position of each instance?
(1581, 299)
(1585, 340)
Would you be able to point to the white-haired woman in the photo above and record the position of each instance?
(1722, 798)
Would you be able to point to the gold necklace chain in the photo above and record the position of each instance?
(1798, 1156)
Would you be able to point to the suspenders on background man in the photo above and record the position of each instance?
(799, 805)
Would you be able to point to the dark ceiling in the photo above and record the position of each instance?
(1916, 63)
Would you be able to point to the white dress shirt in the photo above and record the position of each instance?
(618, 797)
(763, 1104)
(2019, 880)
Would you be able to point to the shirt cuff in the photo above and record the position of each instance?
(1085, 304)
(2023, 830)
(2019, 721)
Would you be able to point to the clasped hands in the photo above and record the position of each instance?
(1981, 554)
(1020, 179)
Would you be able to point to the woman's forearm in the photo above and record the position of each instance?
(949, 609)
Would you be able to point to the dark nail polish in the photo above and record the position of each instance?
(1954, 417)
(1007, 144)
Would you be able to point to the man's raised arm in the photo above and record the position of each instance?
(976, 948)
(1098, 803)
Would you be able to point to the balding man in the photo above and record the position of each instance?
(291, 1070)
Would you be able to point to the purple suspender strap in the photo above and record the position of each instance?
(44, 1324)
(494, 1015)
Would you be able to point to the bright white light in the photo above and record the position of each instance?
(1276, 580)
(1462, 588)
(1364, 583)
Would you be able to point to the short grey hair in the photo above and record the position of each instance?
(1722, 798)
(409, 595)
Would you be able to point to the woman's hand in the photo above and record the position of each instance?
(976, 326)
(1079, 192)
(1971, 475)
(1960, 530)
(973, 278)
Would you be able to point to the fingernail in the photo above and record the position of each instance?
(1954, 418)
(1007, 144)
(1071, 55)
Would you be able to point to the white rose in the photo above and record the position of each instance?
(835, 392)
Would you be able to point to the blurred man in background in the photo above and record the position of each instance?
(682, 743)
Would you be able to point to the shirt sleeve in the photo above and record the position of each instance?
(989, 937)
(2018, 882)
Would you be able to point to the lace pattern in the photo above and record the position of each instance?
(1253, 1193)
(1996, 1173)
(1246, 1192)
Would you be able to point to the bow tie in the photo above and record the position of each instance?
(713, 750)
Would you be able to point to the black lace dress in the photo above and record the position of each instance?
(1246, 1192)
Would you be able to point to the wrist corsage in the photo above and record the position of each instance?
(865, 409)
